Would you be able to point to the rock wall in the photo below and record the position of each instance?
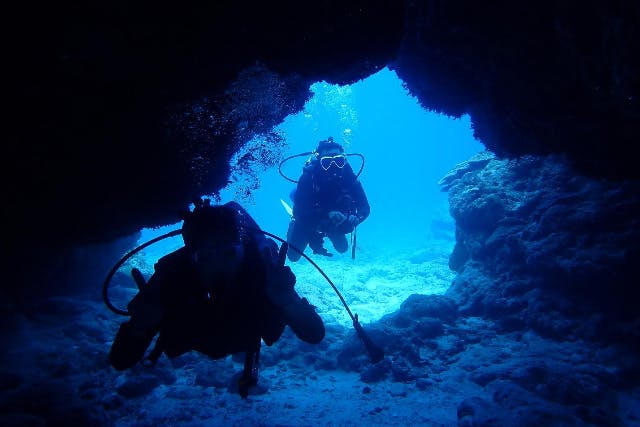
(539, 246)
(119, 114)
(99, 93)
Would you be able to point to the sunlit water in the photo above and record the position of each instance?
(403, 247)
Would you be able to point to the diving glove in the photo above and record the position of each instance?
(322, 251)
(337, 217)
(343, 223)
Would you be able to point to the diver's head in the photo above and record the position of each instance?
(214, 238)
(329, 147)
(331, 156)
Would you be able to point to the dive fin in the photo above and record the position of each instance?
(287, 208)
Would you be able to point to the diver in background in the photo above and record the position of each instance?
(222, 293)
(329, 201)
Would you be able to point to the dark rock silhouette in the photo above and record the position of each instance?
(118, 114)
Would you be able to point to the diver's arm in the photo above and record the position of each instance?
(295, 311)
(135, 335)
(303, 320)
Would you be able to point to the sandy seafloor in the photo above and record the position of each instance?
(373, 284)
(62, 360)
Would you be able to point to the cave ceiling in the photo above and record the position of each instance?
(120, 113)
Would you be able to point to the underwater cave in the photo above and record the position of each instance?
(497, 269)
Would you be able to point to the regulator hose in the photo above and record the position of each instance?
(107, 280)
(375, 353)
(312, 152)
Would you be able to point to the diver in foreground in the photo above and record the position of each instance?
(222, 293)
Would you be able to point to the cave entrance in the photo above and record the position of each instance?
(403, 247)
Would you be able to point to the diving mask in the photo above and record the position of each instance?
(339, 160)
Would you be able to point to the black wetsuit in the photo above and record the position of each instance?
(318, 193)
(217, 320)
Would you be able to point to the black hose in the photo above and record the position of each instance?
(105, 286)
(354, 238)
(309, 153)
(344, 303)
(361, 158)
(375, 353)
(287, 159)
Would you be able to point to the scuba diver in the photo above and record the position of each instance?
(226, 290)
(329, 201)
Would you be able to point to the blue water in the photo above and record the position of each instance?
(403, 247)
(406, 149)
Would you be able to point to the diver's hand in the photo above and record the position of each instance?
(337, 217)
(353, 220)
(322, 251)
(280, 280)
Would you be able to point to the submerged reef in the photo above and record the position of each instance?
(539, 326)
(119, 114)
(541, 246)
